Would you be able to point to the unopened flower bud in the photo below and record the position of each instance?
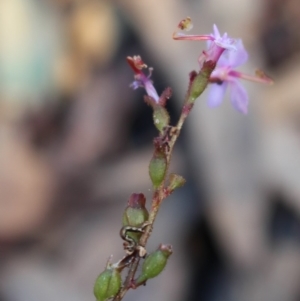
(161, 117)
(157, 168)
(154, 263)
(135, 213)
(200, 81)
(107, 284)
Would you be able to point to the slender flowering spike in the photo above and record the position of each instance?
(224, 75)
(217, 43)
(140, 79)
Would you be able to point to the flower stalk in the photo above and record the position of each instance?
(216, 68)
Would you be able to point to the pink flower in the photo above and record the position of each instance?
(140, 79)
(217, 43)
(225, 76)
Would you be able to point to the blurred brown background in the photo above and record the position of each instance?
(75, 142)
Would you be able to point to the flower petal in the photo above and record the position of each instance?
(216, 94)
(216, 33)
(234, 58)
(134, 85)
(239, 97)
(238, 57)
(151, 91)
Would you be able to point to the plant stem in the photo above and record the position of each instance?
(158, 196)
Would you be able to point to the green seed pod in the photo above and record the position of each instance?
(135, 213)
(157, 168)
(107, 284)
(161, 117)
(154, 263)
(176, 181)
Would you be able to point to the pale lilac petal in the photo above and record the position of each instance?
(221, 73)
(223, 41)
(143, 81)
(234, 58)
(226, 42)
(216, 33)
(216, 94)
(238, 57)
(151, 91)
(135, 84)
(239, 97)
(224, 59)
